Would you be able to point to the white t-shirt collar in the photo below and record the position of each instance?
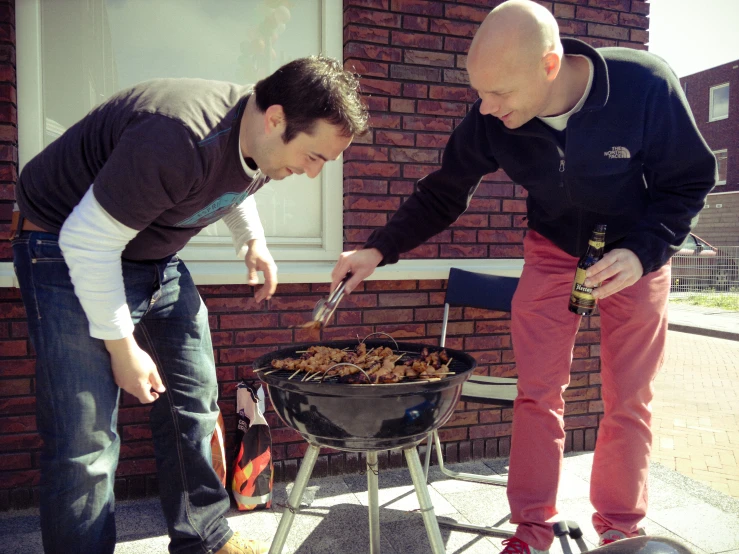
(559, 122)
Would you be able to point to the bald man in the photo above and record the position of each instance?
(595, 136)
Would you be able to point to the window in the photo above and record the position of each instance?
(722, 159)
(719, 102)
(74, 54)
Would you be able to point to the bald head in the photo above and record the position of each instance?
(514, 62)
(518, 32)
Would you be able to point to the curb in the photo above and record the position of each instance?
(715, 333)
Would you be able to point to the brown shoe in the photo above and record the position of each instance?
(239, 545)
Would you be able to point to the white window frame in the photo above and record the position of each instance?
(716, 153)
(201, 248)
(710, 103)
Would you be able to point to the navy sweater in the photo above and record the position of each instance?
(633, 159)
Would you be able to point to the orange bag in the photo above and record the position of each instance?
(218, 449)
(253, 470)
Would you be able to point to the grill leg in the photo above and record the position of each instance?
(429, 447)
(424, 500)
(373, 469)
(293, 503)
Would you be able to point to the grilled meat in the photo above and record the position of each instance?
(380, 365)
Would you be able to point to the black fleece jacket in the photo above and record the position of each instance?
(633, 159)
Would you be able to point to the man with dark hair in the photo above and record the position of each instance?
(103, 211)
(303, 90)
(595, 137)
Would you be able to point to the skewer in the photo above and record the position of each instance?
(311, 374)
(349, 364)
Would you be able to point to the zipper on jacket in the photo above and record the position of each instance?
(562, 167)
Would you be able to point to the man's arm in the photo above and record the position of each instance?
(248, 238)
(92, 241)
(244, 223)
(680, 170)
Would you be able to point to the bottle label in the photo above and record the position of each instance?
(597, 244)
(581, 295)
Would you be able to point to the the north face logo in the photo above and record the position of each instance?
(617, 152)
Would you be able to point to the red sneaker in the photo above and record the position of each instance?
(515, 545)
(612, 535)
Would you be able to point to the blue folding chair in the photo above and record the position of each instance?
(490, 292)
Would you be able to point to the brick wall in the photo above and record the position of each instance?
(411, 53)
(724, 133)
(718, 226)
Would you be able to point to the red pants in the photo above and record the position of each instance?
(633, 333)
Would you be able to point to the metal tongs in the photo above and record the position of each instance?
(326, 307)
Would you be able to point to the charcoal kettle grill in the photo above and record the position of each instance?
(364, 418)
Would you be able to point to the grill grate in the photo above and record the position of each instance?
(460, 363)
(454, 367)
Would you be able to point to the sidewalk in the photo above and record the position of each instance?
(335, 521)
(699, 320)
(696, 410)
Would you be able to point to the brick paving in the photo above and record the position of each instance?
(696, 410)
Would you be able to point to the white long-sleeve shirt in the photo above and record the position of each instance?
(92, 242)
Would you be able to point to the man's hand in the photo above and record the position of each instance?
(360, 263)
(258, 259)
(619, 268)
(134, 370)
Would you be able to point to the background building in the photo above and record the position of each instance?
(713, 95)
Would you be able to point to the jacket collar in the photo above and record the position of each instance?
(600, 89)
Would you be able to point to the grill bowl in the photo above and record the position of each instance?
(365, 417)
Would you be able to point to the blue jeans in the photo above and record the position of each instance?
(77, 403)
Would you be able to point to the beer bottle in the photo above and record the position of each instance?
(581, 299)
